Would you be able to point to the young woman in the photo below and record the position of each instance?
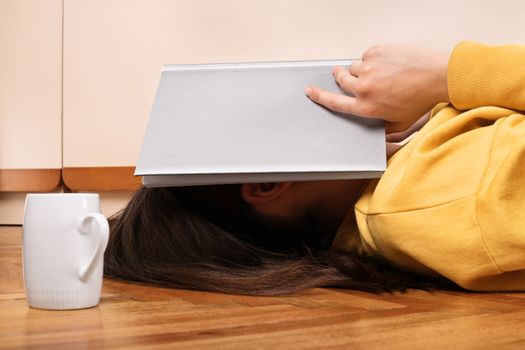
(449, 210)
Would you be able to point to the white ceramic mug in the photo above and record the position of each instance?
(64, 238)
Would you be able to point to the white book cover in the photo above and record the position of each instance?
(252, 122)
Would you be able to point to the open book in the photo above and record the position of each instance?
(252, 122)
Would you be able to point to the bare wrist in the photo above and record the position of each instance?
(441, 83)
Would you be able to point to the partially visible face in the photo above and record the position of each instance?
(320, 203)
(331, 201)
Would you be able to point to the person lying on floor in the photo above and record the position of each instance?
(448, 211)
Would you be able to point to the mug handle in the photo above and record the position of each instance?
(86, 271)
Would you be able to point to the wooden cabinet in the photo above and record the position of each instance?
(97, 64)
(30, 95)
(114, 50)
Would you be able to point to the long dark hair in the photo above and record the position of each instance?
(208, 238)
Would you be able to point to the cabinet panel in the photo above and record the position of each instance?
(101, 178)
(30, 93)
(114, 50)
(29, 180)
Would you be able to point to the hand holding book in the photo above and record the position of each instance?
(256, 126)
(396, 83)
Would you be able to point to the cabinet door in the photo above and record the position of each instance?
(30, 94)
(114, 50)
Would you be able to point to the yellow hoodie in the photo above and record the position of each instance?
(452, 201)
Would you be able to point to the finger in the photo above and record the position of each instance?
(335, 102)
(336, 69)
(355, 68)
(345, 80)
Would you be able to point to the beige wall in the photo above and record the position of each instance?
(114, 49)
(12, 205)
(30, 83)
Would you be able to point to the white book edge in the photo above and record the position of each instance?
(217, 179)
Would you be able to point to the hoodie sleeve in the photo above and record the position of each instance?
(483, 75)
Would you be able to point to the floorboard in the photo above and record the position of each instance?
(132, 316)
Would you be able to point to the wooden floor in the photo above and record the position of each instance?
(141, 317)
